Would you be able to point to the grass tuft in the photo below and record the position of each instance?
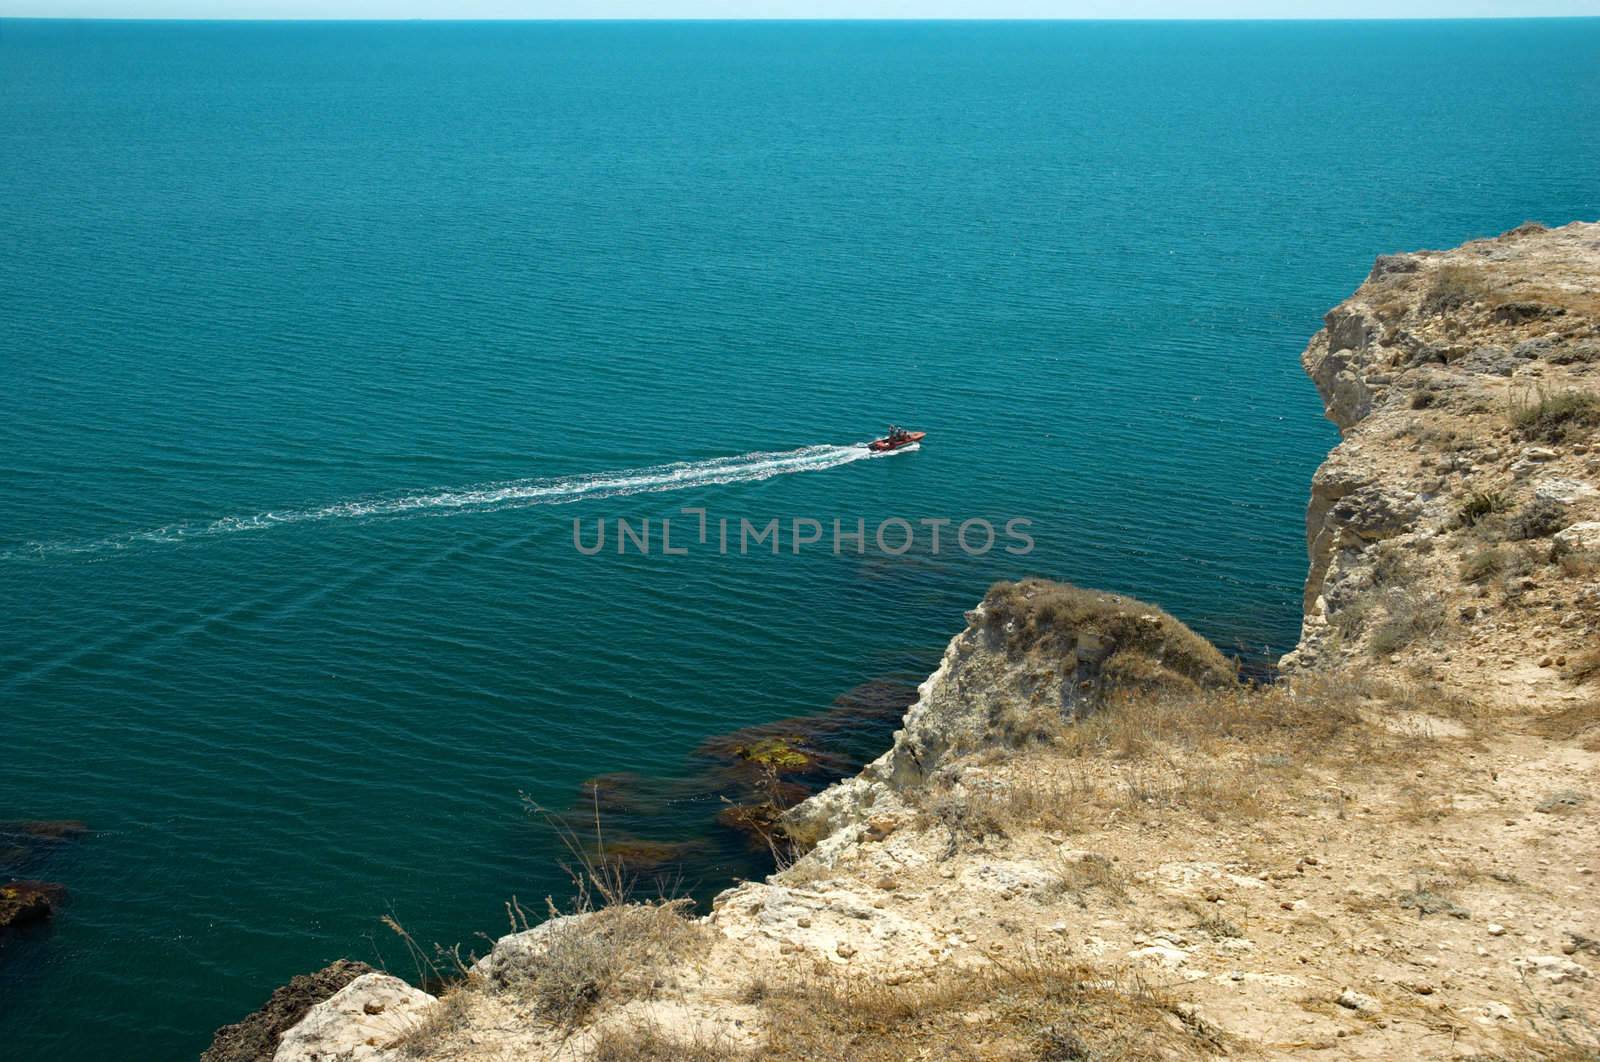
(1552, 415)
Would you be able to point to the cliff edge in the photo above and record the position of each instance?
(1089, 840)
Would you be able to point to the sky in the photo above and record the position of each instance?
(545, 9)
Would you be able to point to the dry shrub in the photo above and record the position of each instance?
(1550, 415)
(1078, 876)
(647, 1044)
(430, 1037)
(967, 819)
(1579, 565)
(1097, 634)
(1479, 504)
(1218, 928)
(1349, 620)
(1454, 286)
(1540, 518)
(1041, 1006)
(1410, 616)
(1419, 805)
(614, 954)
(1585, 665)
(1576, 722)
(1481, 564)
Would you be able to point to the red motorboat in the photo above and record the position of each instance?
(896, 439)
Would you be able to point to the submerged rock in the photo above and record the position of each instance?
(46, 829)
(25, 903)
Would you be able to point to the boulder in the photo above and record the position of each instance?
(362, 1022)
(1391, 264)
(1562, 490)
(1373, 512)
(1554, 969)
(1582, 537)
(522, 951)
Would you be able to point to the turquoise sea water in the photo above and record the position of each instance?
(315, 338)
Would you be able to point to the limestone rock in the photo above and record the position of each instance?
(521, 951)
(1553, 969)
(363, 1022)
(1582, 537)
(1161, 954)
(1562, 490)
(1357, 1001)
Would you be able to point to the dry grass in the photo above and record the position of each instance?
(1311, 717)
(1410, 616)
(1063, 799)
(611, 955)
(1578, 722)
(1236, 756)
(1103, 638)
(1040, 1007)
(651, 1045)
(1483, 564)
(1552, 415)
(1454, 286)
(1233, 754)
(1079, 876)
(429, 1038)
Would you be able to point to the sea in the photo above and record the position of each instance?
(318, 339)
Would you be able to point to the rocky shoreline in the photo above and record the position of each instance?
(1088, 839)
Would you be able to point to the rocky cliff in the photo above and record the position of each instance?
(1466, 385)
(1089, 840)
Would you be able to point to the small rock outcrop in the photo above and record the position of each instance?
(1034, 653)
(362, 1022)
(256, 1038)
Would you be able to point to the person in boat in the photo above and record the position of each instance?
(896, 433)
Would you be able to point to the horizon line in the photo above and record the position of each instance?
(794, 19)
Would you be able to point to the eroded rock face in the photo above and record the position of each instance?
(1432, 371)
(1033, 654)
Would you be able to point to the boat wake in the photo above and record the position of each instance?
(491, 497)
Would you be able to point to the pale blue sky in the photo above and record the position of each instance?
(520, 9)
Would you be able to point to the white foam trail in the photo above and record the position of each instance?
(491, 497)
